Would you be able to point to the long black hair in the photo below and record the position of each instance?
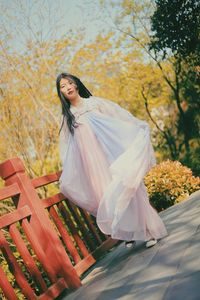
(83, 92)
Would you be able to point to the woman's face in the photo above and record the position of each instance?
(68, 88)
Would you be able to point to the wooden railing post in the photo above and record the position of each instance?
(13, 171)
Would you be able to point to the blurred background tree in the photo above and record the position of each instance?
(30, 114)
(126, 63)
(160, 31)
(176, 33)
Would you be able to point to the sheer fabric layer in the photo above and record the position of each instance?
(104, 164)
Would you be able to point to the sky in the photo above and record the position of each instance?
(24, 19)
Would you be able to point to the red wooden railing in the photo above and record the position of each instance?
(47, 243)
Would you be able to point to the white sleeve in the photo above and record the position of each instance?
(115, 110)
(63, 140)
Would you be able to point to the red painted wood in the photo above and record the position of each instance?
(42, 235)
(73, 209)
(84, 264)
(14, 216)
(65, 236)
(39, 251)
(11, 167)
(44, 180)
(108, 244)
(54, 291)
(90, 225)
(9, 191)
(15, 269)
(27, 258)
(48, 202)
(69, 222)
(13, 171)
(6, 286)
(102, 235)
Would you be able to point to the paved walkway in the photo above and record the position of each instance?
(168, 271)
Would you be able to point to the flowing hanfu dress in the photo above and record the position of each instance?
(104, 164)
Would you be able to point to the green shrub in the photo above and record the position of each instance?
(170, 182)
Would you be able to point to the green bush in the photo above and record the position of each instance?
(170, 182)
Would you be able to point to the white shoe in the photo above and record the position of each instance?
(130, 244)
(151, 243)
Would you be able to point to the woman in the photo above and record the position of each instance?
(105, 153)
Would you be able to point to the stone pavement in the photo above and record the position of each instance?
(168, 271)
